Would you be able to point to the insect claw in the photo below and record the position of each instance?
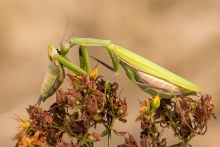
(38, 102)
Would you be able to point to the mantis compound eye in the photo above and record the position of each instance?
(49, 53)
(52, 52)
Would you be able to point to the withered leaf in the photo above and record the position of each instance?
(76, 127)
(145, 123)
(46, 119)
(122, 120)
(129, 142)
(185, 103)
(63, 96)
(145, 141)
(91, 106)
(96, 136)
(122, 106)
(85, 80)
(76, 93)
(119, 133)
(71, 101)
(34, 111)
(185, 129)
(54, 135)
(63, 143)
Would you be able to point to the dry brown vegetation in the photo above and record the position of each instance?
(84, 106)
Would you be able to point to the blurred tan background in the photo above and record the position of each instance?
(182, 36)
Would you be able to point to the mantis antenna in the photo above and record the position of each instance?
(66, 27)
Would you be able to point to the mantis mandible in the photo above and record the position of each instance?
(151, 78)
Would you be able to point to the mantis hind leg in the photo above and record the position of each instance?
(103, 63)
(107, 82)
(108, 67)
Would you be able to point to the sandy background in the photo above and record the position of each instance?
(182, 36)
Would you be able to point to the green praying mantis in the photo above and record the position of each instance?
(150, 77)
(55, 71)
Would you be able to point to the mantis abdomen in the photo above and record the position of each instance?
(52, 81)
(154, 86)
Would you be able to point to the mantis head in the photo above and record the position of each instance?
(65, 46)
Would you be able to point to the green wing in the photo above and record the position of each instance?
(151, 68)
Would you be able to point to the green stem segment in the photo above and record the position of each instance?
(109, 138)
(110, 132)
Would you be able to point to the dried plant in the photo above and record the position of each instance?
(196, 114)
(85, 105)
(75, 111)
